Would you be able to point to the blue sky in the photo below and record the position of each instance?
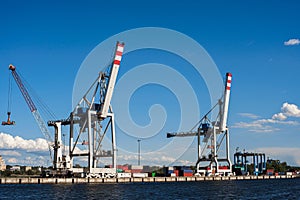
(48, 42)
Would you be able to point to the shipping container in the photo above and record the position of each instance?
(153, 174)
(136, 167)
(223, 167)
(173, 175)
(146, 169)
(270, 172)
(187, 174)
(139, 175)
(176, 172)
(188, 171)
(124, 175)
(136, 171)
(123, 167)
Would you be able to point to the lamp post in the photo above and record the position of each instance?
(139, 152)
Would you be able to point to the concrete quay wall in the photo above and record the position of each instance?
(13, 180)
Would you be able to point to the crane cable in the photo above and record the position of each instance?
(9, 100)
(40, 104)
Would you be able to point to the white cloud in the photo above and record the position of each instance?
(290, 110)
(287, 110)
(13, 161)
(291, 42)
(11, 153)
(273, 121)
(28, 161)
(249, 115)
(267, 125)
(9, 142)
(279, 116)
(256, 126)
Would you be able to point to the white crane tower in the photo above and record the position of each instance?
(211, 135)
(94, 118)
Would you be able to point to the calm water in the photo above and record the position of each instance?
(247, 189)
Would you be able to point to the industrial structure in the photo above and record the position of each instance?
(2, 164)
(90, 121)
(93, 117)
(211, 135)
(241, 163)
(33, 109)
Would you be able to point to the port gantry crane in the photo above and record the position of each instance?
(94, 118)
(210, 136)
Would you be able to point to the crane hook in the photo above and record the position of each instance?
(8, 122)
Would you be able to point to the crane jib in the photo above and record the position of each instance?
(32, 108)
(112, 79)
(24, 92)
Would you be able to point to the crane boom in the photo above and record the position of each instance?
(112, 79)
(22, 88)
(32, 107)
(182, 134)
(224, 113)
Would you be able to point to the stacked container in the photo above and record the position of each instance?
(136, 169)
(186, 172)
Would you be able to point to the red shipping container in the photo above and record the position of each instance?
(176, 172)
(136, 170)
(187, 174)
(223, 167)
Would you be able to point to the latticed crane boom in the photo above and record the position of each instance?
(32, 108)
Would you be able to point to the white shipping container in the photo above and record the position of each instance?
(124, 175)
(136, 167)
(139, 175)
(173, 175)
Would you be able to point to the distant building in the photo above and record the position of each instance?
(27, 168)
(15, 168)
(2, 164)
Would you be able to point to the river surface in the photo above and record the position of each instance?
(238, 189)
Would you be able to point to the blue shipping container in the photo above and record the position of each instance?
(187, 171)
